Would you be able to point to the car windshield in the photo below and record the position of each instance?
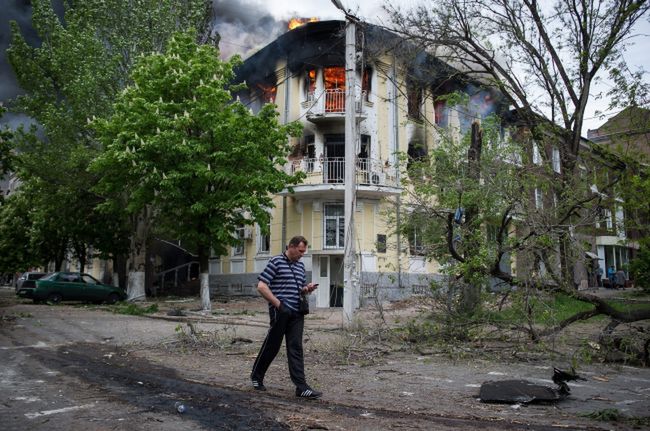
(50, 276)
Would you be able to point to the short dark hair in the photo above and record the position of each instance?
(296, 240)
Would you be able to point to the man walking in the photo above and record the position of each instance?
(281, 283)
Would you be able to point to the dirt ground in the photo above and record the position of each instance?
(370, 378)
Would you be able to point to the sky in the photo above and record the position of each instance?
(247, 25)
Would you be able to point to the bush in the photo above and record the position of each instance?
(640, 266)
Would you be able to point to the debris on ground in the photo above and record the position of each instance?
(526, 392)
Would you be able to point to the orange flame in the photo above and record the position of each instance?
(297, 22)
(267, 92)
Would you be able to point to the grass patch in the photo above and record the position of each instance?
(614, 415)
(133, 309)
(546, 310)
(629, 306)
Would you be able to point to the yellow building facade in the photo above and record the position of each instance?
(302, 72)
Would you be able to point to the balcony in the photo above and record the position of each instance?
(375, 178)
(329, 105)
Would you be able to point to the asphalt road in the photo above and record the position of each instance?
(68, 368)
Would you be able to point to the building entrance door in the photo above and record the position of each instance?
(334, 167)
(321, 275)
(336, 281)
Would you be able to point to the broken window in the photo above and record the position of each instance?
(414, 100)
(334, 83)
(366, 86)
(309, 84)
(441, 113)
(266, 92)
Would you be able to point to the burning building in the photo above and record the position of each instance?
(395, 90)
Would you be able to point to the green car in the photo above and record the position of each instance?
(74, 286)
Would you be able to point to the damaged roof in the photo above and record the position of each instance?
(322, 44)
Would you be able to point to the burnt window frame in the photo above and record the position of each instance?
(414, 100)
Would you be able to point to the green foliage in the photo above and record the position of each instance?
(607, 415)
(177, 142)
(6, 156)
(133, 309)
(74, 74)
(15, 255)
(542, 309)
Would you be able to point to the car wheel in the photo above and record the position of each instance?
(55, 298)
(113, 298)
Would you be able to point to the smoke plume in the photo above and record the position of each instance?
(244, 26)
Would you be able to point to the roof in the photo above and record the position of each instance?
(629, 129)
(322, 44)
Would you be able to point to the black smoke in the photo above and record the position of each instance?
(19, 11)
(243, 26)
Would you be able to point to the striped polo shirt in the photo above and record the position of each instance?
(279, 277)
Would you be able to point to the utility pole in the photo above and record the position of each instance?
(350, 276)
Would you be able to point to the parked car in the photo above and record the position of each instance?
(28, 280)
(75, 286)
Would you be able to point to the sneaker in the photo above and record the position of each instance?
(308, 393)
(258, 385)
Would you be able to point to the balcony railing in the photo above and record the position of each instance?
(331, 101)
(331, 170)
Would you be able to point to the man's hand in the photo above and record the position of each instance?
(310, 287)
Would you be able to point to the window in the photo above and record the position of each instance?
(414, 96)
(366, 84)
(607, 215)
(556, 160)
(334, 83)
(238, 249)
(539, 199)
(416, 246)
(334, 226)
(537, 156)
(266, 92)
(264, 239)
(381, 243)
(441, 113)
(620, 221)
(309, 84)
(311, 152)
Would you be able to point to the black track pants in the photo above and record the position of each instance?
(288, 324)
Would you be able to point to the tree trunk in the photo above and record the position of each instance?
(204, 277)
(81, 255)
(470, 293)
(135, 290)
(136, 282)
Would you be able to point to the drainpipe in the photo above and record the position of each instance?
(398, 218)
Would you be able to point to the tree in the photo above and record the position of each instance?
(544, 62)
(6, 143)
(74, 75)
(15, 250)
(179, 147)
